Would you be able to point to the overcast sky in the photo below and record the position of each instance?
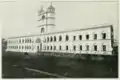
(20, 17)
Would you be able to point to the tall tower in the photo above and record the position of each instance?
(46, 19)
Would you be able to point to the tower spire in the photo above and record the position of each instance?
(50, 2)
(51, 8)
(41, 10)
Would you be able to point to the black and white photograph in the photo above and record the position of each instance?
(59, 39)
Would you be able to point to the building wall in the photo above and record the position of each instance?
(91, 42)
(41, 41)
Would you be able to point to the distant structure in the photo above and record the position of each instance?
(4, 45)
(96, 40)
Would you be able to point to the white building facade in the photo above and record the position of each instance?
(96, 40)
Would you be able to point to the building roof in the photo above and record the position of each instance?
(103, 26)
(51, 8)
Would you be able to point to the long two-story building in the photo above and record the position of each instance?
(95, 40)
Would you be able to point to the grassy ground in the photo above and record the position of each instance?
(69, 67)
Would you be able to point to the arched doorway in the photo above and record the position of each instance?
(39, 44)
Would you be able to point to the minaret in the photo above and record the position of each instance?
(46, 19)
(50, 18)
(42, 20)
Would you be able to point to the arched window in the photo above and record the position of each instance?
(60, 38)
(19, 40)
(80, 47)
(51, 39)
(54, 38)
(87, 47)
(74, 38)
(104, 47)
(30, 41)
(43, 17)
(95, 47)
(42, 30)
(37, 47)
(95, 36)
(67, 37)
(104, 35)
(51, 47)
(47, 39)
(23, 41)
(66, 47)
(80, 37)
(74, 47)
(60, 47)
(87, 37)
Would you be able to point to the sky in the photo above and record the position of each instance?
(19, 17)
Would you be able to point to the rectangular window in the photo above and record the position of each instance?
(95, 47)
(104, 47)
(87, 47)
(80, 47)
(19, 41)
(95, 36)
(66, 47)
(60, 47)
(51, 39)
(67, 37)
(104, 35)
(80, 37)
(74, 38)
(74, 47)
(54, 47)
(51, 47)
(87, 37)
(60, 38)
(23, 41)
